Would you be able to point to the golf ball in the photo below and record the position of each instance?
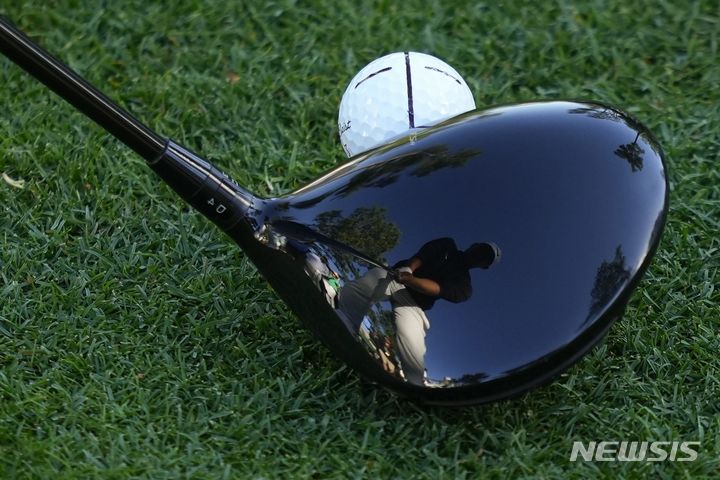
(397, 94)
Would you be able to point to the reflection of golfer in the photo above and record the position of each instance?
(437, 270)
(440, 270)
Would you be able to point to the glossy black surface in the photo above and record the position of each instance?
(575, 196)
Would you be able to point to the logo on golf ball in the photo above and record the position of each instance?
(396, 94)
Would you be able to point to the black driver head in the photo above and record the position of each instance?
(392, 258)
(574, 195)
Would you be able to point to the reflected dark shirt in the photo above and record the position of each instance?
(445, 264)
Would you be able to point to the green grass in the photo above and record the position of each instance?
(137, 341)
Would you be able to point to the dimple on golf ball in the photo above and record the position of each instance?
(397, 94)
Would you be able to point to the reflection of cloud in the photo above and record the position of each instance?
(610, 277)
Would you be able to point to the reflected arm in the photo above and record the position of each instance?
(421, 285)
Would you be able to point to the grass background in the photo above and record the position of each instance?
(137, 341)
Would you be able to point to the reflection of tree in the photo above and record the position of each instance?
(609, 278)
(365, 230)
(384, 352)
(467, 379)
(470, 378)
(603, 112)
(632, 153)
(599, 112)
(383, 319)
(416, 164)
(629, 151)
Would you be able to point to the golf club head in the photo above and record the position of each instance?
(463, 264)
(572, 196)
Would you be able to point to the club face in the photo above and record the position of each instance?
(573, 194)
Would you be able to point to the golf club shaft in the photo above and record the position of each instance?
(196, 180)
(78, 92)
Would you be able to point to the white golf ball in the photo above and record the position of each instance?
(397, 94)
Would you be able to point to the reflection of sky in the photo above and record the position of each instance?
(556, 216)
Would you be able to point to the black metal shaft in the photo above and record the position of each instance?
(78, 92)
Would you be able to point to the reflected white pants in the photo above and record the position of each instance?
(411, 323)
